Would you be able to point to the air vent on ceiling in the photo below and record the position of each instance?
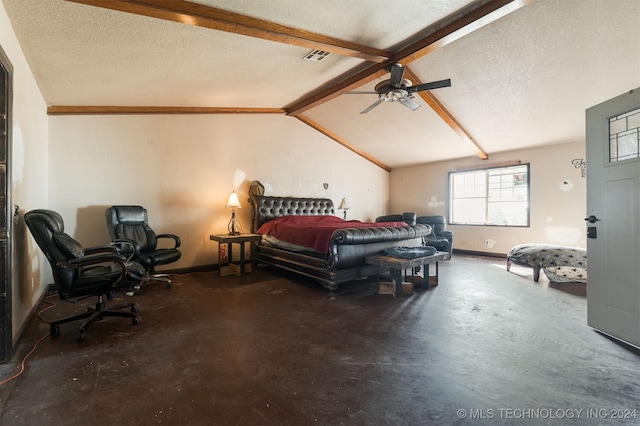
(316, 55)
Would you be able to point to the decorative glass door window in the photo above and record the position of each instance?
(624, 136)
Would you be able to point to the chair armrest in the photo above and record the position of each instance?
(175, 238)
(96, 259)
(409, 218)
(445, 233)
(92, 259)
(100, 249)
(126, 247)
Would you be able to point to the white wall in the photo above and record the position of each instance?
(28, 168)
(558, 198)
(183, 167)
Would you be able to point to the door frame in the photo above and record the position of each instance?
(6, 307)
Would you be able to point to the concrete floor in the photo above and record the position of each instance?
(486, 346)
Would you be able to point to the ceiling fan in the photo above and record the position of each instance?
(399, 89)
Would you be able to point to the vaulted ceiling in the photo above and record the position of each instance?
(523, 72)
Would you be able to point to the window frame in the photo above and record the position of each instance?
(486, 195)
(631, 130)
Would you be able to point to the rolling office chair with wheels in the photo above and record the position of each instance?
(129, 227)
(80, 272)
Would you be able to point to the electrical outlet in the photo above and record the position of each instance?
(486, 243)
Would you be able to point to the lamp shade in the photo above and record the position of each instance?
(233, 201)
(344, 204)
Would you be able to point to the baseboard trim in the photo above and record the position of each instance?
(201, 268)
(33, 314)
(479, 253)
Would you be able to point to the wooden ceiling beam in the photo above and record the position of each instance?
(335, 89)
(446, 116)
(114, 110)
(217, 19)
(464, 23)
(341, 141)
(461, 24)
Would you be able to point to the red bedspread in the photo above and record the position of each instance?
(313, 232)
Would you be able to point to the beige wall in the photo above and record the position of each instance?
(183, 167)
(29, 186)
(558, 198)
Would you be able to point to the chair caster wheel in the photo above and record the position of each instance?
(54, 330)
(168, 285)
(136, 320)
(134, 308)
(82, 336)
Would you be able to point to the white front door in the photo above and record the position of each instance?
(613, 217)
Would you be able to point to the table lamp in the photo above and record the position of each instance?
(233, 203)
(344, 205)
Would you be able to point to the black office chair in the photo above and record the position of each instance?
(129, 228)
(80, 273)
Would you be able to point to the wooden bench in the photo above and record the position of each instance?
(397, 266)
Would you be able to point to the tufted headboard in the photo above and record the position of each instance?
(265, 208)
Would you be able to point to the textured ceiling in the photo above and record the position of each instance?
(521, 81)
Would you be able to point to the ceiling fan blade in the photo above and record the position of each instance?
(372, 106)
(397, 71)
(412, 105)
(429, 86)
(359, 93)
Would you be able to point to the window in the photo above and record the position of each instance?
(493, 196)
(624, 136)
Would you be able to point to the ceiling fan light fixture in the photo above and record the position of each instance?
(401, 90)
(393, 95)
(386, 84)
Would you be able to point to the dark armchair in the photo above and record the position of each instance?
(80, 272)
(440, 237)
(129, 229)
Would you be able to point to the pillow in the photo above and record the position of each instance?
(410, 252)
(69, 246)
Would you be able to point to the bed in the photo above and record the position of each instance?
(559, 263)
(333, 254)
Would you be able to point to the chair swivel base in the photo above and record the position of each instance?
(96, 314)
(165, 278)
(161, 277)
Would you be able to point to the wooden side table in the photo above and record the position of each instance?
(225, 257)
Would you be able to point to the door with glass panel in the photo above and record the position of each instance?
(613, 217)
